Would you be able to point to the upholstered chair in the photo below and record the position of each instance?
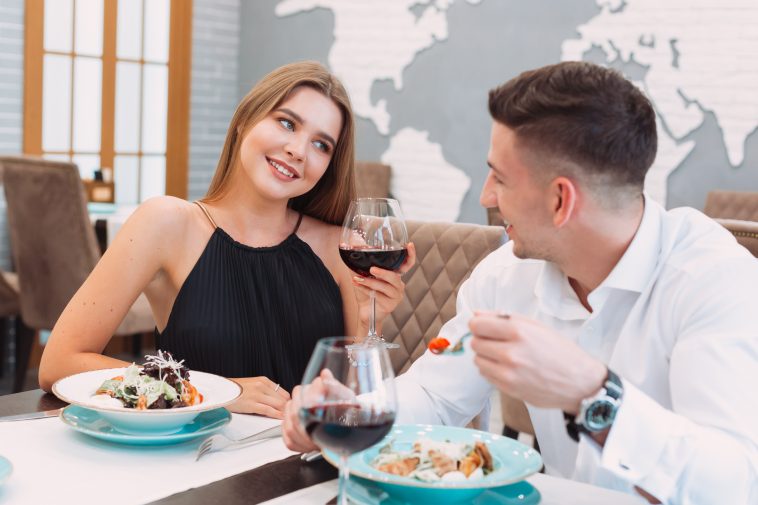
(372, 180)
(746, 232)
(53, 241)
(742, 205)
(447, 253)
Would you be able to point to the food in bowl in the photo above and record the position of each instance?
(432, 461)
(159, 383)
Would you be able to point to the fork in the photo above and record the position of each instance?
(219, 442)
(454, 350)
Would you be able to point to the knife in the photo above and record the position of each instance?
(31, 415)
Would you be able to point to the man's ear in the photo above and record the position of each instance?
(563, 192)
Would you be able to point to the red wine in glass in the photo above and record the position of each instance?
(374, 234)
(347, 399)
(345, 428)
(361, 259)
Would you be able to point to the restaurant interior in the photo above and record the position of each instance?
(105, 104)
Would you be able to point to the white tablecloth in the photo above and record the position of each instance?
(54, 464)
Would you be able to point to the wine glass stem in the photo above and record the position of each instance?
(372, 316)
(344, 476)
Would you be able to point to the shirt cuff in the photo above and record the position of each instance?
(637, 442)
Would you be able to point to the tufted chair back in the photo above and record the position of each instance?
(732, 205)
(447, 253)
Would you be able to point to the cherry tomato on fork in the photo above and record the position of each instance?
(439, 344)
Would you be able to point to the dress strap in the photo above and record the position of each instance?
(297, 226)
(208, 214)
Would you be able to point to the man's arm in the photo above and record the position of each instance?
(449, 390)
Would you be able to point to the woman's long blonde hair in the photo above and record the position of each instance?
(330, 198)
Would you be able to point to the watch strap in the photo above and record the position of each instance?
(613, 388)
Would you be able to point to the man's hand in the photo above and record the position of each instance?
(323, 388)
(295, 437)
(260, 396)
(527, 360)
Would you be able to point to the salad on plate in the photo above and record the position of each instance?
(159, 383)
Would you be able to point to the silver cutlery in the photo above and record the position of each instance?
(310, 456)
(219, 442)
(454, 350)
(31, 415)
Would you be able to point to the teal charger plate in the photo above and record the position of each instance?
(6, 468)
(513, 462)
(364, 492)
(91, 423)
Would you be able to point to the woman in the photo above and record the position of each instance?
(243, 283)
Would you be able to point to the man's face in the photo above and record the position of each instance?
(521, 198)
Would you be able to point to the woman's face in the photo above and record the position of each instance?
(286, 154)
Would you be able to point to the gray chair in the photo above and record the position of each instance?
(53, 241)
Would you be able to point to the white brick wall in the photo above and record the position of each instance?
(215, 53)
(11, 99)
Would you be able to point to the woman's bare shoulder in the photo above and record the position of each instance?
(164, 218)
(322, 231)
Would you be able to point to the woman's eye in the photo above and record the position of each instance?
(322, 146)
(287, 124)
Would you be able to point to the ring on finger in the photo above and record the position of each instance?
(277, 388)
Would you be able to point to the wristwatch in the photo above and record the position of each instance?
(597, 412)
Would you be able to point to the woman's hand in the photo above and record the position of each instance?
(260, 396)
(388, 286)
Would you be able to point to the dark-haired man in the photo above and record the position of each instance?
(627, 329)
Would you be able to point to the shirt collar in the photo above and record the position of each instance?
(637, 265)
(631, 273)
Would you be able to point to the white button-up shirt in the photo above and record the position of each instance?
(676, 319)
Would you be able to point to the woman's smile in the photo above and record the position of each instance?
(282, 171)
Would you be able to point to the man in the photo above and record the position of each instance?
(628, 330)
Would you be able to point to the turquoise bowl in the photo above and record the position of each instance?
(513, 462)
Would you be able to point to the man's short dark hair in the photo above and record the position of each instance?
(584, 113)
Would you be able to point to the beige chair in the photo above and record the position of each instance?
(742, 205)
(53, 241)
(446, 255)
(372, 179)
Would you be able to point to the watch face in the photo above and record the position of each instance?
(600, 415)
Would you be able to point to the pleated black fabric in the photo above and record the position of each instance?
(251, 311)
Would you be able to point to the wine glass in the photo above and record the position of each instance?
(347, 399)
(374, 235)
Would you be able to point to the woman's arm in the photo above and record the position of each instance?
(144, 244)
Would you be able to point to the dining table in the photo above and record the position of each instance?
(53, 463)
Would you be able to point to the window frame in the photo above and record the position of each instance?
(178, 106)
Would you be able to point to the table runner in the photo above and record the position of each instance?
(52, 463)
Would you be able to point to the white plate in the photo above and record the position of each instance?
(78, 390)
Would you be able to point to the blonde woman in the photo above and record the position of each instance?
(245, 281)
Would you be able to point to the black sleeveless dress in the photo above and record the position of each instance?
(250, 311)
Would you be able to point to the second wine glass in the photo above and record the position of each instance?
(374, 235)
(348, 400)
